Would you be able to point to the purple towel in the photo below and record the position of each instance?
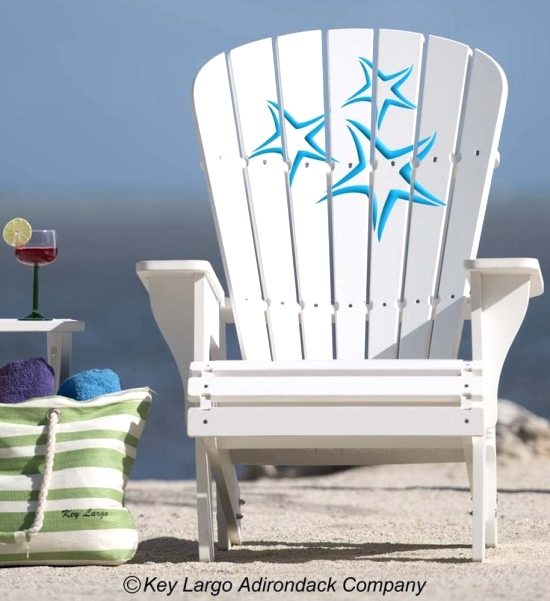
(22, 380)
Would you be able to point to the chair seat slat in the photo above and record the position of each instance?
(424, 367)
(336, 421)
(341, 387)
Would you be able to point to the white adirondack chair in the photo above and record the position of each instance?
(349, 172)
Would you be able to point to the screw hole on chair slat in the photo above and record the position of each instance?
(264, 162)
(434, 159)
(306, 164)
(456, 158)
(466, 421)
(452, 295)
(350, 165)
(282, 302)
(477, 153)
(206, 386)
(315, 304)
(350, 305)
(417, 301)
(393, 163)
(384, 304)
(466, 386)
(204, 421)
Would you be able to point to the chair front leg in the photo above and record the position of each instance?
(204, 502)
(208, 342)
(492, 511)
(479, 492)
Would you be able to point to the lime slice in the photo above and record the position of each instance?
(17, 232)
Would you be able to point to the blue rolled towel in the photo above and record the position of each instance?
(23, 380)
(90, 384)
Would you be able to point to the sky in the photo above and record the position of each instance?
(96, 95)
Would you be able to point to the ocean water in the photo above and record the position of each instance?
(94, 280)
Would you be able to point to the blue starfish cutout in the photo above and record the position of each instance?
(274, 144)
(364, 94)
(420, 194)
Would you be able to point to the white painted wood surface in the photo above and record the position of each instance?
(348, 49)
(205, 508)
(348, 367)
(484, 113)
(220, 149)
(59, 352)
(362, 455)
(525, 267)
(146, 270)
(52, 325)
(398, 52)
(479, 497)
(300, 62)
(283, 390)
(283, 135)
(255, 89)
(445, 76)
(335, 421)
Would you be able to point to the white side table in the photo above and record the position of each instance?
(59, 334)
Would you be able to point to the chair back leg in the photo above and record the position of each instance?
(228, 499)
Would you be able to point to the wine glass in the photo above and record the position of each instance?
(40, 249)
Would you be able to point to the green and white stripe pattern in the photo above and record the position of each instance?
(85, 521)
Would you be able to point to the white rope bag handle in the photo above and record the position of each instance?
(38, 522)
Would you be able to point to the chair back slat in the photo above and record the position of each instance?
(484, 112)
(222, 159)
(300, 62)
(347, 53)
(256, 100)
(442, 93)
(397, 75)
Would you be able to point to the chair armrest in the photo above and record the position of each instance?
(186, 300)
(514, 266)
(155, 269)
(500, 291)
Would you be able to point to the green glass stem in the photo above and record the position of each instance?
(35, 314)
(35, 289)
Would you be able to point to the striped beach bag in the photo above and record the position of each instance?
(64, 466)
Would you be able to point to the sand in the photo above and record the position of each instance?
(386, 524)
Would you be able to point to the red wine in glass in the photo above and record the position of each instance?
(35, 255)
(40, 249)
